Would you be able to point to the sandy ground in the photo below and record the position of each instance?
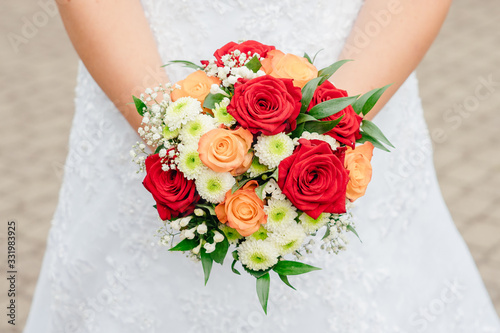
(37, 79)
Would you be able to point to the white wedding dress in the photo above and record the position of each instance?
(104, 272)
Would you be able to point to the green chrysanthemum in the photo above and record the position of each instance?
(256, 168)
(212, 186)
(189, 162)
(232, 235)
(311, 225)
(259, 234)
(221, 114)
(271, 150)
(168, 134)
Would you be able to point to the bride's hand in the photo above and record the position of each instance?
(387, 42)
(115, 43)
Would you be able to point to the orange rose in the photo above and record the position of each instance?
(224, 150)
(242, 210)
(289, 66)
(196, 85)
(357, 161)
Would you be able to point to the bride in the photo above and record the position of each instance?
(103, 272)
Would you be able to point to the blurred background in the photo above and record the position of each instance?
(460, 90)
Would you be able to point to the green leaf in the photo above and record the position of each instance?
(220, 251)
(257, 274)
(211, 99)
(298, 131)
(235, 271)
(206, 262)
(330, 107)
(308, 58)
(308, 93)
(235, 255)
(327, 233)
(377, 144)
(314, 58)
(321, 127)
(186, 245)
(366, 102)
(254, 64)
(157, 150)
(275, 174)
(327, 72)
(351, 229)
(260, 191)
(155, 207)
(186, 63)
(209, 208)
(287, 267)
(304, 117)
(372, 130)
(284, 278)
(263, 284)
(139, 105)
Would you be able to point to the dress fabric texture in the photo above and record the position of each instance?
(103, 270)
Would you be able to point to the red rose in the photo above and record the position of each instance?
(251, 46)
(174, 194)
(314, 179)
(347, 131)
(266, 104)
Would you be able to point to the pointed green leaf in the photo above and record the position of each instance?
(307, 57)
(254, 64)
(303, 117)
(260, 191)
(314, 58)
(298, 131)
(327, 233)
(330, 107)
(351, 229)
(372, 130)
(308, 93)
(157, 150)
(284, 278)
(365, 137)
(186, 63)
(321, 127)
(210, 209)
(263, 284)
(275, 174)
(211, 99)
(139, 105)
(220, 251)
(366, 102)
(327, 72)
(257, 274)
(206, 262)
(286, 267)
(186, 245)
(235, 271)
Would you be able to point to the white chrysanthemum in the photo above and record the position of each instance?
(193, 130)
(271, 150)
(221, 115)
(212, 186)
(280, 214)
(258, 254)
(189, 162)
(311, 225)
(256, 168)
(315, 136)
(181, 112)
(289, 239)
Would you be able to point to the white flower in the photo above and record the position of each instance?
(189, 234)
(189, 162)
(258, 254)
(193, 130)
(212, 186)
(202, 229)
(271, 150)
(197, 249)
(280, 214)
(199, 212)
(218, 237)
(311, 225)
(221, 115)
(289, 239)
(175, 225)
(184, 221)
(181, 112)
(209, 247)
(315, 136)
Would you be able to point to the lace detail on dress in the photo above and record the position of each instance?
(104, 272)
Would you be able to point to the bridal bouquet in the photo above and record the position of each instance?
(256, 149)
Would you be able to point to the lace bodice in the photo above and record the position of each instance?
(103, 271)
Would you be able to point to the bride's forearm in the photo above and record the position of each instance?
(387, 42)
(115, 43)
